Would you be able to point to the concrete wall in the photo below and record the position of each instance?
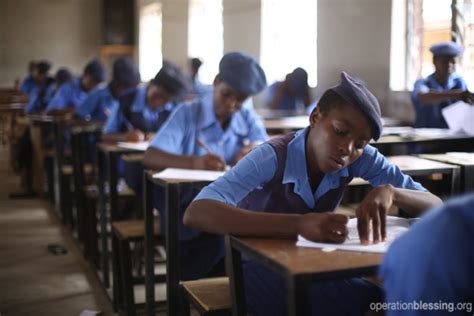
(352, 36)
(67, 32)
(242, 26)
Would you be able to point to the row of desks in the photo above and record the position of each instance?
(302, 266)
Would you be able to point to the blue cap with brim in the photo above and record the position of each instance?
(96, 70)
(242, 73)
(354, 91)
(125, 72)
(448, 49)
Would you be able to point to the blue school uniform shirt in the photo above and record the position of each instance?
(431, 115)
(287, 101)
(28, 84)
(117, 122)
(69, 94)
(433, 262)
(197, 120)
(97, 105)
(40, 96)
(260, 165)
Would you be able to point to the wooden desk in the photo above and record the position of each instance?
(466, 164)
(397, 145)
(416, 166)
(107, 159)
(172, 223)
(298, 265)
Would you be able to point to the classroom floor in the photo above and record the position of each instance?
(34, 281)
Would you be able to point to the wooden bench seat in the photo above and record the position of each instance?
(210, 296)
(133, 229)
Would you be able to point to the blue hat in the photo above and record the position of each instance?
(95, 69)
(170, 78)
(125, 72)
(63, 75)
(354, 91)
(449, 49)
(242, 73)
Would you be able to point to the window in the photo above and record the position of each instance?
(288, 38)
(206, 36)
(150, 56)
(416, 26)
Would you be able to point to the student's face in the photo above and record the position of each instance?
(88, 83)
(40, 77)
(337, 138)
(156, 96)
(444, 65)
(227, 101)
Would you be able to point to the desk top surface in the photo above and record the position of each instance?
(286, 256)
(465, 159)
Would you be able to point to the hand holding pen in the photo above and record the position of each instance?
(132, 134)
(208, 161)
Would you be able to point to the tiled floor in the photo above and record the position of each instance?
(32, 280)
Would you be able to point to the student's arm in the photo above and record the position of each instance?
(375, 205)
(219, 218)
(392, 187)
(214, 209)
(434, 97)
(114, 127)
(167, 147)
(158, 159)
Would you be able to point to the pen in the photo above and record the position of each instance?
(203, 145)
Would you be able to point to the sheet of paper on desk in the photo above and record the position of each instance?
(459, 117)
(188, 174)
(142, 146)
(396, 226)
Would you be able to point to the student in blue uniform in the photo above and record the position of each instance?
(28, 83)
(40, 94)
(209, 133)
(291, 94)
(100, 102)
(291, 185)
(197, 89)
(441, 88)
(73, 93)
(143, 110)
(433, 263)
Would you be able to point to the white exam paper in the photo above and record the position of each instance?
(396, 226)
(141, 146)
(188, 174)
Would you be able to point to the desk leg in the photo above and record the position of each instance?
(149, 245)
(456, 181)
(103, 218)
(172, 249)
(113, 207)
(468, 179)
(297, 288)
(236, 278)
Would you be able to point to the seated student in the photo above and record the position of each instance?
(433, 263)
(28, 83)
(291, 185)
(142, 111)
(292, 94)
(441, 88)
(209, 133)
(197, 89)
(100, 102)
(73, 93)
(40, 94)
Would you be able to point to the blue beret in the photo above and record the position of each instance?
(125, 72)
(354, 91)
(63, 75)
(170, 78)
(450, 49)
(95, 69)
(242, 73)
